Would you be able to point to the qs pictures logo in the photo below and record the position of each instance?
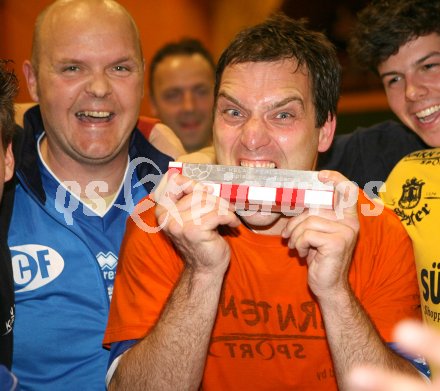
(35, 266)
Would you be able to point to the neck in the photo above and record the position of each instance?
(65, 168)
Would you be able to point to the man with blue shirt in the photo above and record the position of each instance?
(84, 166)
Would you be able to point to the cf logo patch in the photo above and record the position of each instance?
(35, 266)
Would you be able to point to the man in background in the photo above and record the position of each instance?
(181, 78)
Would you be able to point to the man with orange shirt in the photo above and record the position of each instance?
(216, 299)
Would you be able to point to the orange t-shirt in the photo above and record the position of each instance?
(268, 334)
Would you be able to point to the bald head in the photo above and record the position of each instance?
(87, 73)
(63, 11)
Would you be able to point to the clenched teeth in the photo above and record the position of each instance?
(257, 163)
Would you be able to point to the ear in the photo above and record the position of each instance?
(31, 80)
(326, 134)
(9, 163)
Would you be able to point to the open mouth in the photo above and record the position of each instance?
(258, 163)
(94, 116)
(428, 115)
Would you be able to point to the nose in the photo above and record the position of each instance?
(188, 101)
(254, 134)
(414, 88)
(99, 85)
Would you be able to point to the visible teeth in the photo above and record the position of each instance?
(96, 114)
(257, 163)
(428, 111)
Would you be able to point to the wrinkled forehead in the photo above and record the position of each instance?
(265, 78)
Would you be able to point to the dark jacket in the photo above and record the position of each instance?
(7, 314)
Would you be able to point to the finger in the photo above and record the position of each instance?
(324, 243)
(212, 220)
(418, 339)
(174, 186)
(198, 229)
(346, 192)
(200, 208)
(169, 212)
(324, 214)
(202, 203)
(372, 379)
(317, 224)
(172, 193)
(293, 223)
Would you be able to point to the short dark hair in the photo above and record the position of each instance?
(8, 92)
(281, 37)
(385, 25)
(184, 47)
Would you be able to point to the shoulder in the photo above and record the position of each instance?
(147, 158)
(384, 251)
(426, 162)
(411, 173)
(377, 222)
(143, 228)
(429, 156)
(161, 136)
(384, 133)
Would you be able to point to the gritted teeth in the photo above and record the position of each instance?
(426, 112)
(94, 114)
(257, 163)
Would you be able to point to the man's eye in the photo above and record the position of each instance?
(232, 112)
(172, 96)
(71, 68)
(430, 66)
(284, 115)
(202, 92)
(120, 68)
(393, 80)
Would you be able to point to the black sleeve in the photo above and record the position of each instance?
(369, 154)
